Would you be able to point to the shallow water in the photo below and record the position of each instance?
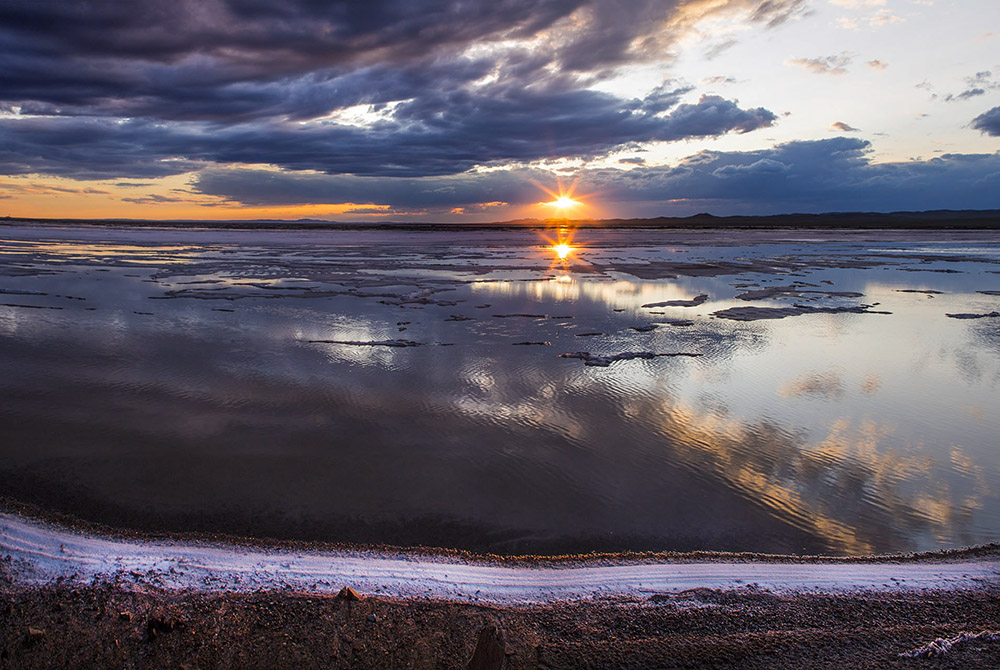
(176, 380)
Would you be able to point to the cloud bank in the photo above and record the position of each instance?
(805, 176)
(143, 89)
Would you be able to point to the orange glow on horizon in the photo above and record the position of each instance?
(175, 198)
(158, 199)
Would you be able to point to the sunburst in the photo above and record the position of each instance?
(563, 202)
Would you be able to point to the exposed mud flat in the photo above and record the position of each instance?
(693, 302)
(758, 313)
(987, 315)
(108, 626)
(793, 291)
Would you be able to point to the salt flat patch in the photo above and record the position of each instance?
(38, 553)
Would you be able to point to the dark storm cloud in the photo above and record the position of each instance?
(988, 122)
(89, 149)
(141, 89)
(439, 133)
(825, 175)
(189, 92)
(214, 59)
(268, 35)
(268, 188)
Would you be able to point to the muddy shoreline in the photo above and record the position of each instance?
(133, 620)
(81, 526)
(108, 626)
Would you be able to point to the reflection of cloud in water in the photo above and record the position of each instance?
(848, 490)
(871, 383)
(823, 384)
(516, 447)
(232, 415)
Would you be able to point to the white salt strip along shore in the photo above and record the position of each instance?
(40, 553)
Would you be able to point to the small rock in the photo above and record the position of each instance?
(347, 593)
(372, 618)
(34, 635)
(490, 650)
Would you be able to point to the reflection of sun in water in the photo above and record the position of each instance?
(562, 248)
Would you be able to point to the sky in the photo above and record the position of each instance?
(487, 110)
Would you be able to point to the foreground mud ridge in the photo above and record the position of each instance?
(72, 599)
(114, 627)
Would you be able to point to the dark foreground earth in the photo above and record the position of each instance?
(112, 627)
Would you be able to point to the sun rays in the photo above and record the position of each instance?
(564, 200)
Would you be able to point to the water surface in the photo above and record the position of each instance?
(241, 382)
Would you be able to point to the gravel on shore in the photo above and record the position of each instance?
(109, 626)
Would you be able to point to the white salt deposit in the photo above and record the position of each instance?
(38, 553)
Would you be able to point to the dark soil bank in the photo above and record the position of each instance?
(111, 627)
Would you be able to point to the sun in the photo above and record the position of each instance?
(564, 202)
(562, 250)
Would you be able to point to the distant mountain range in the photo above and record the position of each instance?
(942, 218)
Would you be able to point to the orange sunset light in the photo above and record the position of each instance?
(563, 200)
